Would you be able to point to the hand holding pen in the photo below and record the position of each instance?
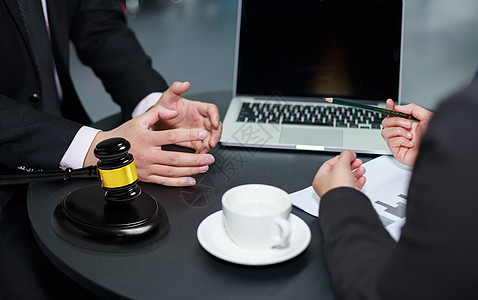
(371, 108)
(404, 136)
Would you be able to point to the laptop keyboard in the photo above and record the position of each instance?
(334, 116)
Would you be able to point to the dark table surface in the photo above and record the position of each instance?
(178, 267)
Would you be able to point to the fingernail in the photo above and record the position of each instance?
(203, 169)
(209, 159)
(409, 135)
(202, 134)
(189, 181)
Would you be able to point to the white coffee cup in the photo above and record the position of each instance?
(256, 216)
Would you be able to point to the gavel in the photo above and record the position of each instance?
(115, 168)
(106, 151)
(115, 216)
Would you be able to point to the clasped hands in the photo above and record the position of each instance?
(172, 120)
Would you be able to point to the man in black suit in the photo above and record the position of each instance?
(436, 256)
(45, 132)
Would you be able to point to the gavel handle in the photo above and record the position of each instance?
(48, 175)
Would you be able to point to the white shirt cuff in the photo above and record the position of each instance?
(146, 104)
(75, 154)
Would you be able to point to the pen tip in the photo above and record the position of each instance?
(330, 100)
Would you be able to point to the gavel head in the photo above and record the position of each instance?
(117, 171)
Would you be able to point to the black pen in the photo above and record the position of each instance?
(371, 108)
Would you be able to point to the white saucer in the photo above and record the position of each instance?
(213, 238)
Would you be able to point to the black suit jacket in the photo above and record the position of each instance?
(34, 139)
(97, 29)
(437, 254)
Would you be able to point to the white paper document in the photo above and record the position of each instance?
(386, 187)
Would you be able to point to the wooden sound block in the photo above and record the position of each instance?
(86, 219)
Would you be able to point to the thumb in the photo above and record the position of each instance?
(174, 92)
(179, 88)
(345, 160)
(156, 113)
(390, 105)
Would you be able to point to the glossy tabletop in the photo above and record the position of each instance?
(178, 267)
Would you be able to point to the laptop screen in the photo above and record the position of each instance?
(320, 48)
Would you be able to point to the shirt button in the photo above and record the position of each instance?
(35, 98)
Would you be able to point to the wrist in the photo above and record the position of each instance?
(90, 158)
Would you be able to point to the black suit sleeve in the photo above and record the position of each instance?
(105, 43)
(31, 138)
(437, 254)
(355, 242)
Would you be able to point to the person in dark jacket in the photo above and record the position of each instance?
(436, 256)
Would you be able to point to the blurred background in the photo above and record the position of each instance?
(194, 40)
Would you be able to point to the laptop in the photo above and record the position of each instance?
(291, 54)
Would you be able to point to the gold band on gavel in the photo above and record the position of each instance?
(118, 177)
